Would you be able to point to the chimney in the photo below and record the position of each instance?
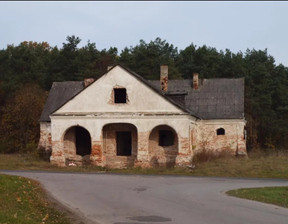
(88, 81)
(195, 81)
(164, 78)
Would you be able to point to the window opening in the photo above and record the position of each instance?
(221, 131)
(166, 138)
(120, 95)
(124, 143)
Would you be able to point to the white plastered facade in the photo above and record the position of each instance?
(145, 109)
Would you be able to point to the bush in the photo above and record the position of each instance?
(6, 146)
(43, 154)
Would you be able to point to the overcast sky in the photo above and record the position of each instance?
(233, 25)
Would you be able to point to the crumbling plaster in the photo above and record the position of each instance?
(233, 141)
(145, 110)
(45, 141)
(144, 125)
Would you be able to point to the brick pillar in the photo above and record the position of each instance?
(57, 157)
(241, 146)
(96, 156)
(142, 152)
(184, 152)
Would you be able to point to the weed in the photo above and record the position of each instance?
(206, 155)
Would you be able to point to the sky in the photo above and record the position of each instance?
(235, 25)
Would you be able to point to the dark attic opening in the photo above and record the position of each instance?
(83, 141)
(220, 131)
(166, 138)
(124, 143)
(120, 95)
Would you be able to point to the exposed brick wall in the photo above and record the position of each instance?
(70, 142)
(58, 156)
(185, 154)
(146, 151)
(45, 141)
(232, 141)
(142, 154)
(96, 156)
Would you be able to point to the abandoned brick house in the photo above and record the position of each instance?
(122, 120)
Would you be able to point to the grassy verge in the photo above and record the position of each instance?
(23, 201)
(272, 195)
(255, 165)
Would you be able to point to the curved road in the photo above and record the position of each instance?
(135, 199)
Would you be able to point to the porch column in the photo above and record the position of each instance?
(184, 156)
(57, 157)
(97, 155)
(142, 153)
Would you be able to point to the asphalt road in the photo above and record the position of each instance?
(135, 199)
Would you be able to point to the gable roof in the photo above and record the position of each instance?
(215, 98)
(59, 94)
(219, 98)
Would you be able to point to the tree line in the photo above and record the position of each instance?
(28, 70)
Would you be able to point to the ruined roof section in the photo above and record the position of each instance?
(172, 100)
(59, 94)
(215, 99)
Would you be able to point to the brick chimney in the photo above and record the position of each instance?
(195, 80)
(164, 78)
(88, 81)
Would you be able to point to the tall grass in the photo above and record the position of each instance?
(256, 164)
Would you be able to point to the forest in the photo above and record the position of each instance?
(28, 70)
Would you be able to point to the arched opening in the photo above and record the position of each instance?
(77, 143)
(163, 146)
(120, 144)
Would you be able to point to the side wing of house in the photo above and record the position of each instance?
(220, 104)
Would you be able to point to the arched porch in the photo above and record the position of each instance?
(120, 144)
(77, 145)
(163, 146)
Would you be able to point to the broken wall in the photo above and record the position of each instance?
(232, 141)
(103, 127)
(45, 141)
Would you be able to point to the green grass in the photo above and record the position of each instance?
(272, 195)
(24, 202)
(258, 165)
